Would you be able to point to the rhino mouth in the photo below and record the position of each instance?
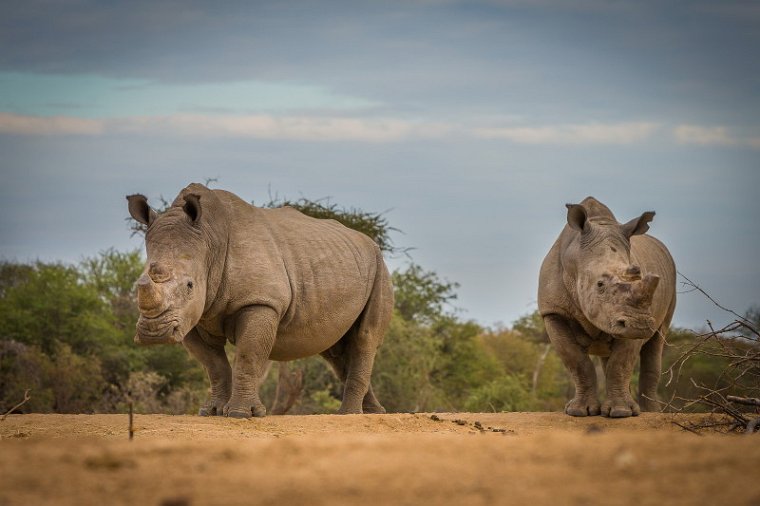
(161, 329)
(633, 328)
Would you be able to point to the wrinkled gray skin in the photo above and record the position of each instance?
(607, 289)
(278, 284)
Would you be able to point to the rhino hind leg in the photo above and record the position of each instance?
(582, 370)
(217, 367)
(337, 359)
(353, 357)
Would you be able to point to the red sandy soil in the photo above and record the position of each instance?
(504, 458)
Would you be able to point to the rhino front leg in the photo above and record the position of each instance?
(255, 331)
(213, 358)
(578, 363)
(620, 364)
(651, 369)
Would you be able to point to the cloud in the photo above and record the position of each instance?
(712, 136)
(52, 125)
(593, 133)
(335, 128)
(298, 128)
(704, 136)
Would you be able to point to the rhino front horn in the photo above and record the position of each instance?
(148, 295)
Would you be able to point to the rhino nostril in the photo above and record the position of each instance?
(621, 323)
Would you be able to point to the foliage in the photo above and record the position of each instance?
(402, 377)
(505, 393)
(54, 305)
(421, 295)
(63, 383)
(374, 225)
(531, 327)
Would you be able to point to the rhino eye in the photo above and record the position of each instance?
(600, 284)
(190, 285)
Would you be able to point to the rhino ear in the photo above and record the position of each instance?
(576, 217)
(140, 210)
(192, 207)
(638, 226)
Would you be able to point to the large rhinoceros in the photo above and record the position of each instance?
(607, 289)
(278, 284)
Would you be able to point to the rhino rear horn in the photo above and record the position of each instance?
(645, 288)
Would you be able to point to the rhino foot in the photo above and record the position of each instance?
(583, 406)
(212, 408)
(620, 407)
(350, 411)
(257, 410)
(209, 411)
(373, 410)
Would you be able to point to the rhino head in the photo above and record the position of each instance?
(171, 292)
(609, 288)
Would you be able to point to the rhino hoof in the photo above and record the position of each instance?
(622, 409)
(209, 411)
(582, 408)
(258, 411)
(621, 413)
(239, 413)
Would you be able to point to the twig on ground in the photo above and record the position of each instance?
(14, 408)
(131, 424)
(748, 401)
(737, 346)
(684, 427)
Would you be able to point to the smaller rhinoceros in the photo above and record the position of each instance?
(608, 289)
(276, 283)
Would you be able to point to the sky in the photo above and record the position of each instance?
(470, 124)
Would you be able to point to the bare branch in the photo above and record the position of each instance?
(14, 408)
(694, 286)
(749, 401)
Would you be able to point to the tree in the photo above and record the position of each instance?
(372, 224)
(531, 327)
(54, 305)
(421, 295)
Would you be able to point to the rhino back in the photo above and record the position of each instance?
(316, 274)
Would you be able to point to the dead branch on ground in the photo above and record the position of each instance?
(14, 408)
(735, 394)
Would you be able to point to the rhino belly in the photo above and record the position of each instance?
(310, 337)
(320, 317)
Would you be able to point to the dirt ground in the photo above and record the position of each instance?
(463, 459)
